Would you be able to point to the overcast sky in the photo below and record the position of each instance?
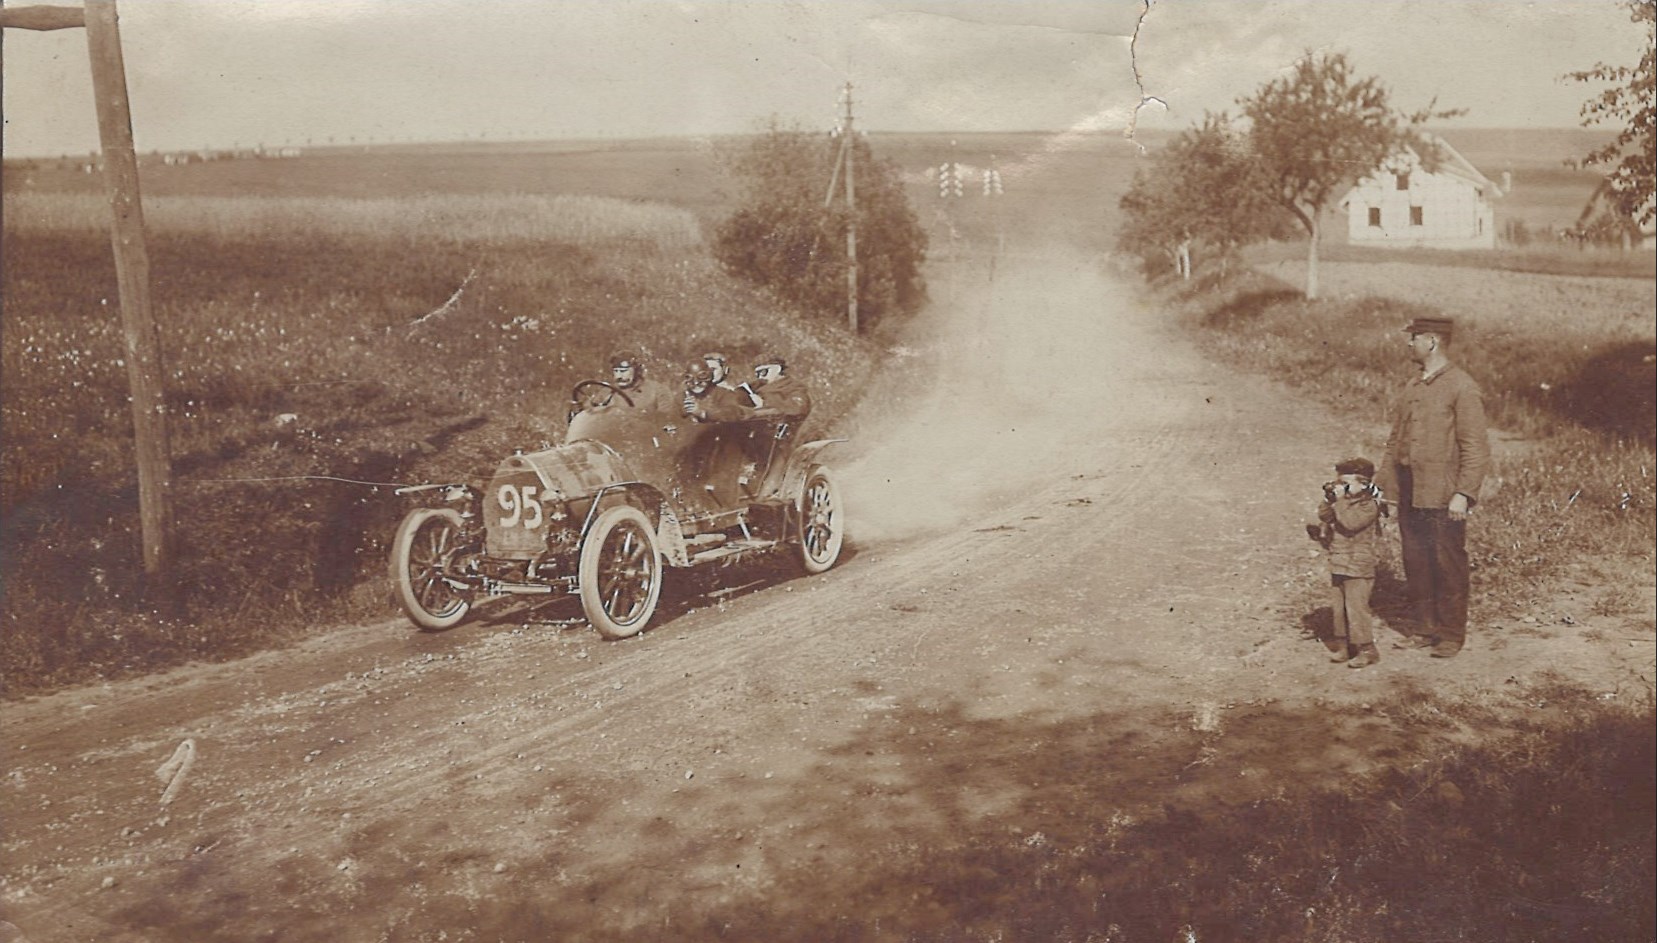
(223, 72)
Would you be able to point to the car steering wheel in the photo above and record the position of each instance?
(575, 394)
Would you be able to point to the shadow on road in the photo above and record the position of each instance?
(935, 823)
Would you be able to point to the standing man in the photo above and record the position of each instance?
(1437, 457)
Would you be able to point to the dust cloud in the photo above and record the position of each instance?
(1025, 368)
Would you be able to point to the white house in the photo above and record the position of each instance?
(1403, 205)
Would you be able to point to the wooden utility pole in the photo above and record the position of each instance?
(132, 271)
(849, 148)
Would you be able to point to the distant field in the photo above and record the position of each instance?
(683, 172)
(1068, 183)
(1545, 191)
(1089, 170)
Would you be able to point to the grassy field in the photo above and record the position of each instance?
(682, 172)
(1534, 258)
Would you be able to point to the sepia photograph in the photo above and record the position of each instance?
(835, 471)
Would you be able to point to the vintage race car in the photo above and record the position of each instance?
(631, 489)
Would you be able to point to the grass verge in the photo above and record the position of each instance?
(1589, 261)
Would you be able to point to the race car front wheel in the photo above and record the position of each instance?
(422, 552)
(620, 572)
(822, 521)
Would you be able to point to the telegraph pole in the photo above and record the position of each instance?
(132, 269)
(849, 149)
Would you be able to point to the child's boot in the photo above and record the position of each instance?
(1342, 651)
(1365, 656)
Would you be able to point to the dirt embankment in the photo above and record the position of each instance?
(1073, 599)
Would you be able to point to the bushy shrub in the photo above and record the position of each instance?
(782, 237)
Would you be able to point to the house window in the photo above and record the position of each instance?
(1401, 181)
(1415, 216)
(1375, 217)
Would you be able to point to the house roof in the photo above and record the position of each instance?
(1450, 162)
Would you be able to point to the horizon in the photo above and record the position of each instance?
(1089, 134)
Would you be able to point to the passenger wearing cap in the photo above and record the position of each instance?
(1437, 456)
(719, 367)
(778, 396)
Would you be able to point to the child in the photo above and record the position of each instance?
(1347, 528)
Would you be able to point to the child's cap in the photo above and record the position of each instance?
(1362, 467)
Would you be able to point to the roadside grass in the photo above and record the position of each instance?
(1398, 855)
(380, 342)
(1590, 261)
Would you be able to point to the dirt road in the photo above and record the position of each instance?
(1077, 561)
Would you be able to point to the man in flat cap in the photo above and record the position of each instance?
(1436, 459)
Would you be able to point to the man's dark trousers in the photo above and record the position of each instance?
(1435, 566)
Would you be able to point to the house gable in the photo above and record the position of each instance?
(1403, 204)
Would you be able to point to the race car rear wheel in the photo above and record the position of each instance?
(620, 572)
(822, 521)
(422, 552)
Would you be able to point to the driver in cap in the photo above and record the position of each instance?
(627, 375)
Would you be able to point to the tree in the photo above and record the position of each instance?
(1205, 188)
(1153, 226)
(1633, 154)
(783, 237)
(1318, 130)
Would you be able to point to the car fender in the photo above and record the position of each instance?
(642, 495)
(799, 463)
